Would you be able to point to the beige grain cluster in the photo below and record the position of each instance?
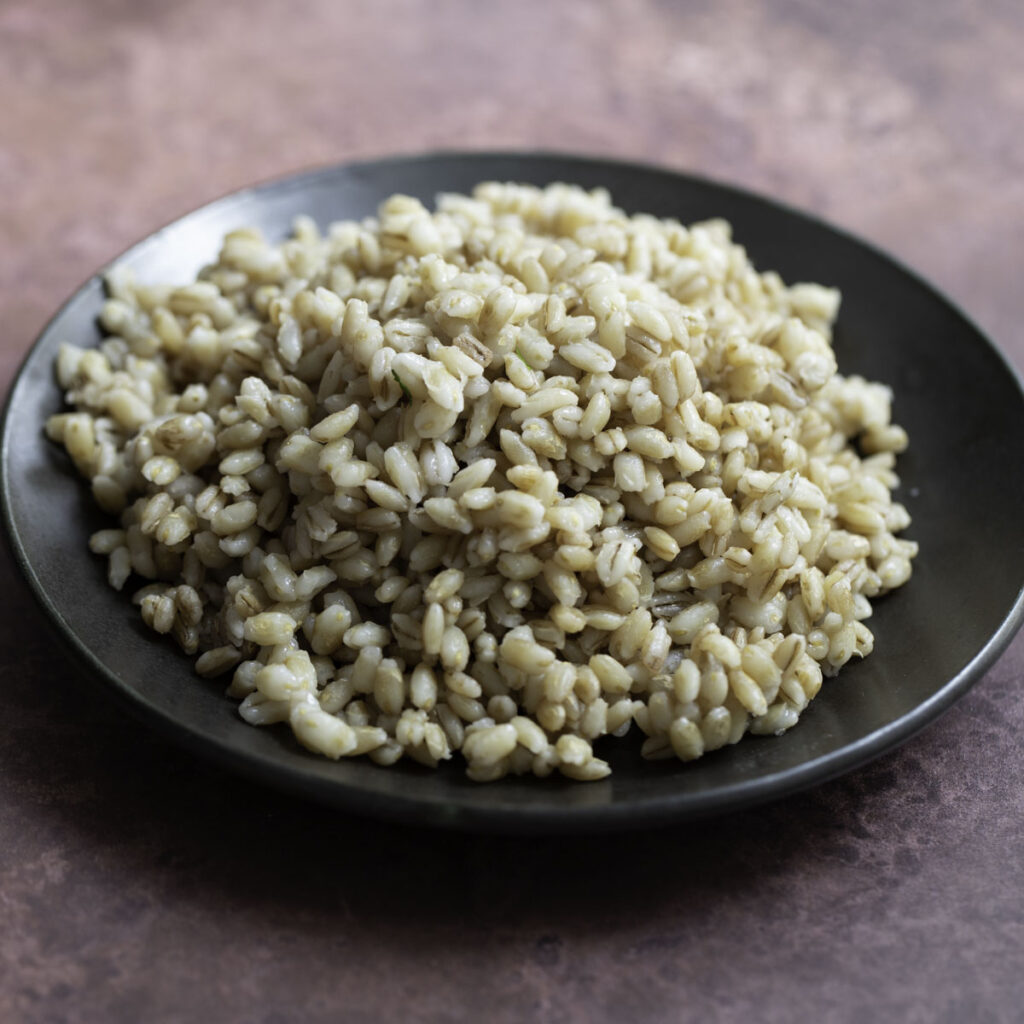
(501, 479)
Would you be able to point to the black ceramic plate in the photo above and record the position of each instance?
(962, 481)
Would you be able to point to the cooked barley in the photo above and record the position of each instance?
(503, 479)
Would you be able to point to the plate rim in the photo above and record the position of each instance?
(340, 794)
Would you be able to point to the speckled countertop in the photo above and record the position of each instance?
(138, 885)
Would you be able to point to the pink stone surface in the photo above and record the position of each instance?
(138, 885)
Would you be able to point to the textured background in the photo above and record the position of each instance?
(137, 885)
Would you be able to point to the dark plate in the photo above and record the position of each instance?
(962, 481)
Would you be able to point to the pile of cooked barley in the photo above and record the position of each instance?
(500, 479)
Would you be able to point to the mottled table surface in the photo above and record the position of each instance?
(138, 885)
